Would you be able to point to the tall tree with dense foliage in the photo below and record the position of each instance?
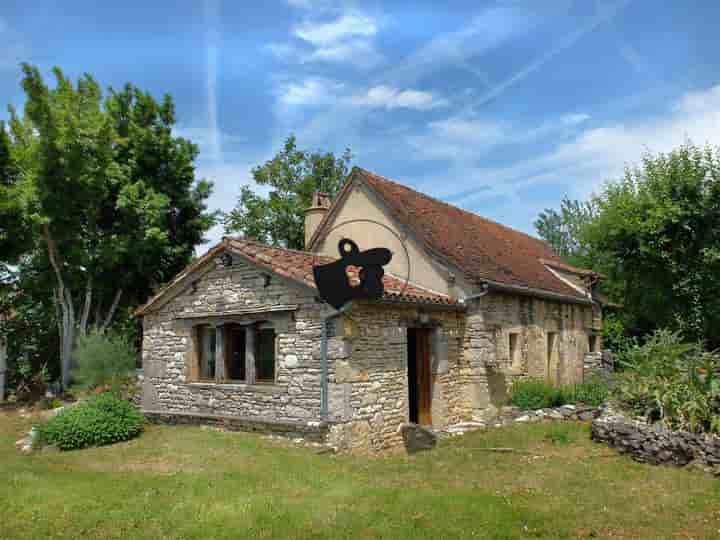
(292, 175)
(563, 229)
(657, 236)
(110, 205)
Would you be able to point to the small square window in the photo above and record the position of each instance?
(514, 349)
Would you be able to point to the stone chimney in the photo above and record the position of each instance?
(315, 214)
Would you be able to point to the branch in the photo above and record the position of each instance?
(86, 307)
(58, 315)
(98, 307)
(111, 311)
(52, 253)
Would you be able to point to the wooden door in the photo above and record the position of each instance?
(419, 376)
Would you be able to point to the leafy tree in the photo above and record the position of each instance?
(563, 230)
(293, 175)
(657, 237)
(108, 201)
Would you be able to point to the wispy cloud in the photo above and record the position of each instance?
(390, 98)
(212, 23)
(574, 119)
(605, 13)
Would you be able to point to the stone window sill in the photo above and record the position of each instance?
(268, 388)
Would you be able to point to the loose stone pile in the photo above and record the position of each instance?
(652, 443)
(510, 415)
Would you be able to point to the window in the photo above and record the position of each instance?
(265, 355)
(245, 353)
(235, 369)
(206, 351)
(514, 349)
(592, 343)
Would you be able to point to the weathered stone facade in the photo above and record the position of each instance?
(236, 293)
(492, 318)
(368, 390)
(369, 382)
(367, 358)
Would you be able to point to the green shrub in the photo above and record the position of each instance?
(593, 392)
(534, 394)
(537, 394)
(102, 419)
(51, 403)
(103, 360)
(671, 382)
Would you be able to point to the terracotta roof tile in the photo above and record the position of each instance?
(482, 249)
(298, 265)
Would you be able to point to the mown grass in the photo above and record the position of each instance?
(185, 482)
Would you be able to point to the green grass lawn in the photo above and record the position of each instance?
(185, 482)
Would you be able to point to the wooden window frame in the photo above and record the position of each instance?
(222, 349)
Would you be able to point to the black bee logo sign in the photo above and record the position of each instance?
(334, 284)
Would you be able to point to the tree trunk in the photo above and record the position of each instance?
(3, 365)
(86, 306)
(67, 335)
(111, 311)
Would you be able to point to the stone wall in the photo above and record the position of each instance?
(471, 366)
(598, 364)
(241, 290)
(490, 321)
(367, 359)
(369, 387)
(655, 444)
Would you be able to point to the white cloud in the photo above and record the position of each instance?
(392, 98)
(596, 154)
(311, 91)
(347, 37)
(348, 25)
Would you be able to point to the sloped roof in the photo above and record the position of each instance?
(296, 266)
(481, 249)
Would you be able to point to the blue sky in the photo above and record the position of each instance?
(498, 107)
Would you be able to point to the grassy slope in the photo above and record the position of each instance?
(183, 482)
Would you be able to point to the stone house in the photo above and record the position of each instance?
(241, 337)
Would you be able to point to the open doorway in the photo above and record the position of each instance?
(418, 372)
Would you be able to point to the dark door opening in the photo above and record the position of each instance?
(235, 352)
(419, 383)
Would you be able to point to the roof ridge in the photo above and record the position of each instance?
(258, 243)
(447, 204)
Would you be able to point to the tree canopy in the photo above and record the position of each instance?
(292, 176)
(101, 197)
(655, 233)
